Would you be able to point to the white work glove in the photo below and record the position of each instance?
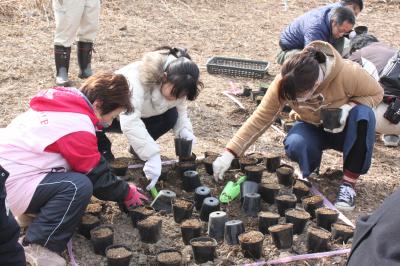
(221, 164)
(152, 170)
(345, 113)
(188, 135)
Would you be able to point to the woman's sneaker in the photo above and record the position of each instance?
(38, 255)
(391, 140)
(346, 198)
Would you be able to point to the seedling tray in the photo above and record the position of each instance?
(237, 67)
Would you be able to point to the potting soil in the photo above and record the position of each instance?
(343, 228)
(150, 221)
(251, 237)
(94, 208)
(313, 199)
(192, 223)
(102, 232)
(203, 243)
(169, 257)
(326, 211)
(299, 214)
(184, 204)
(117, 253)
(280, 227)
(268, 214)
(89, 219)
(319, 232)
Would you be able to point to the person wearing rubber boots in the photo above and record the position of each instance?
(317, 78)
(55, 167)
(75, 20)
(11, 252)
(161, 84)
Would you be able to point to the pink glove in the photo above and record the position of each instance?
(134, 197)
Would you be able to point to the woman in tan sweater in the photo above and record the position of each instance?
(314, 79)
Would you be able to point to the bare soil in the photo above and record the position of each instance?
(245, 29)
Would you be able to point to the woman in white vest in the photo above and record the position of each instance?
(161, 83)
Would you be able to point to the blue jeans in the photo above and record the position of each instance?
(305, 142)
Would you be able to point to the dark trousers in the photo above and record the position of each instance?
(305, 142)
(59, 201)
(11, 252)
(156, 126)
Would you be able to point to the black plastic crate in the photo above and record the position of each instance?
(237, 67)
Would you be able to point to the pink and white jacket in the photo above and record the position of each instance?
(57, 133)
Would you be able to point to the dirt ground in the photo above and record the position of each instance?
(245, 29)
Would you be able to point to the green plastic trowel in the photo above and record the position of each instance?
(154, 192)
(231, 190)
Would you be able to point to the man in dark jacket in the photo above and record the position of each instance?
(373, 56)
(324, 24)
(11, 252)
(375, 240)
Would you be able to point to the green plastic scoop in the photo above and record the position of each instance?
(231, 190)
(153, 192)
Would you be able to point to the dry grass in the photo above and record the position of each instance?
(11, 9)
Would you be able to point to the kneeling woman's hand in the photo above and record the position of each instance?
(188, 135)
(152, 170)
(221, 164)
(134, 197)
(343, 118)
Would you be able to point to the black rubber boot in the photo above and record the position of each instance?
(62, 56)
(84, 58)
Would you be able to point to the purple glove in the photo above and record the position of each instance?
(134, 197)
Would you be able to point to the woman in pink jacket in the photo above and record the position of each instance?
(51, 154)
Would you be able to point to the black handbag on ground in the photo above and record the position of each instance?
(390, 75)
(393, 112)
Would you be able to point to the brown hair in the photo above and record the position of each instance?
(111, 89)
(300, 72)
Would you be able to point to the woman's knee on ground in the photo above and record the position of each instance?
(294, 145)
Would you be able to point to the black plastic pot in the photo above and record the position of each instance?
(139, 213)
(342, 232)
(248, 187)
(163, 201)
(311, 203)
(285, 202)
(300, 189)
(150, 229)
(272, 162)
(191, 158)
(190, 228)
(235, 164)
(361, 29)
(266, 220)
(216, 224)
(203, 249)
(269, 192)
(183, 147)
(282, 235)
(254, 173)
(251, 244)
(200, 194)
(121, 258)
(182, 167)
(258, 156)
(233, 229)
(251, 204)
(209, 205)
(88, 222)
(317, 239)
(208, 164)
(169, 257)
(331, 117)
(246, 161)
(326, 217)
(101, 239)
(119, 166)
(298, 218)
(182, 209)
(285, 175)
(190, 180)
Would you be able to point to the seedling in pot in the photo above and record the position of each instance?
(251, 204)
(200, 194)
(317, 239)
(216, 224)
(326, 217)
(190, 228)
(190, 180)
(268, 192)
(101, 237)
(285, 175)
(233, 229)
(311, 203)
(266, 220)
(251, 244)
(285, 202)
(203, 249)
(209, 205)
(88, 222)
(118, 255)
(169, 257)
(254, 173)
(298, 218)
(150, 229)
(282, 235)
(182, 209)
(342, 232)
